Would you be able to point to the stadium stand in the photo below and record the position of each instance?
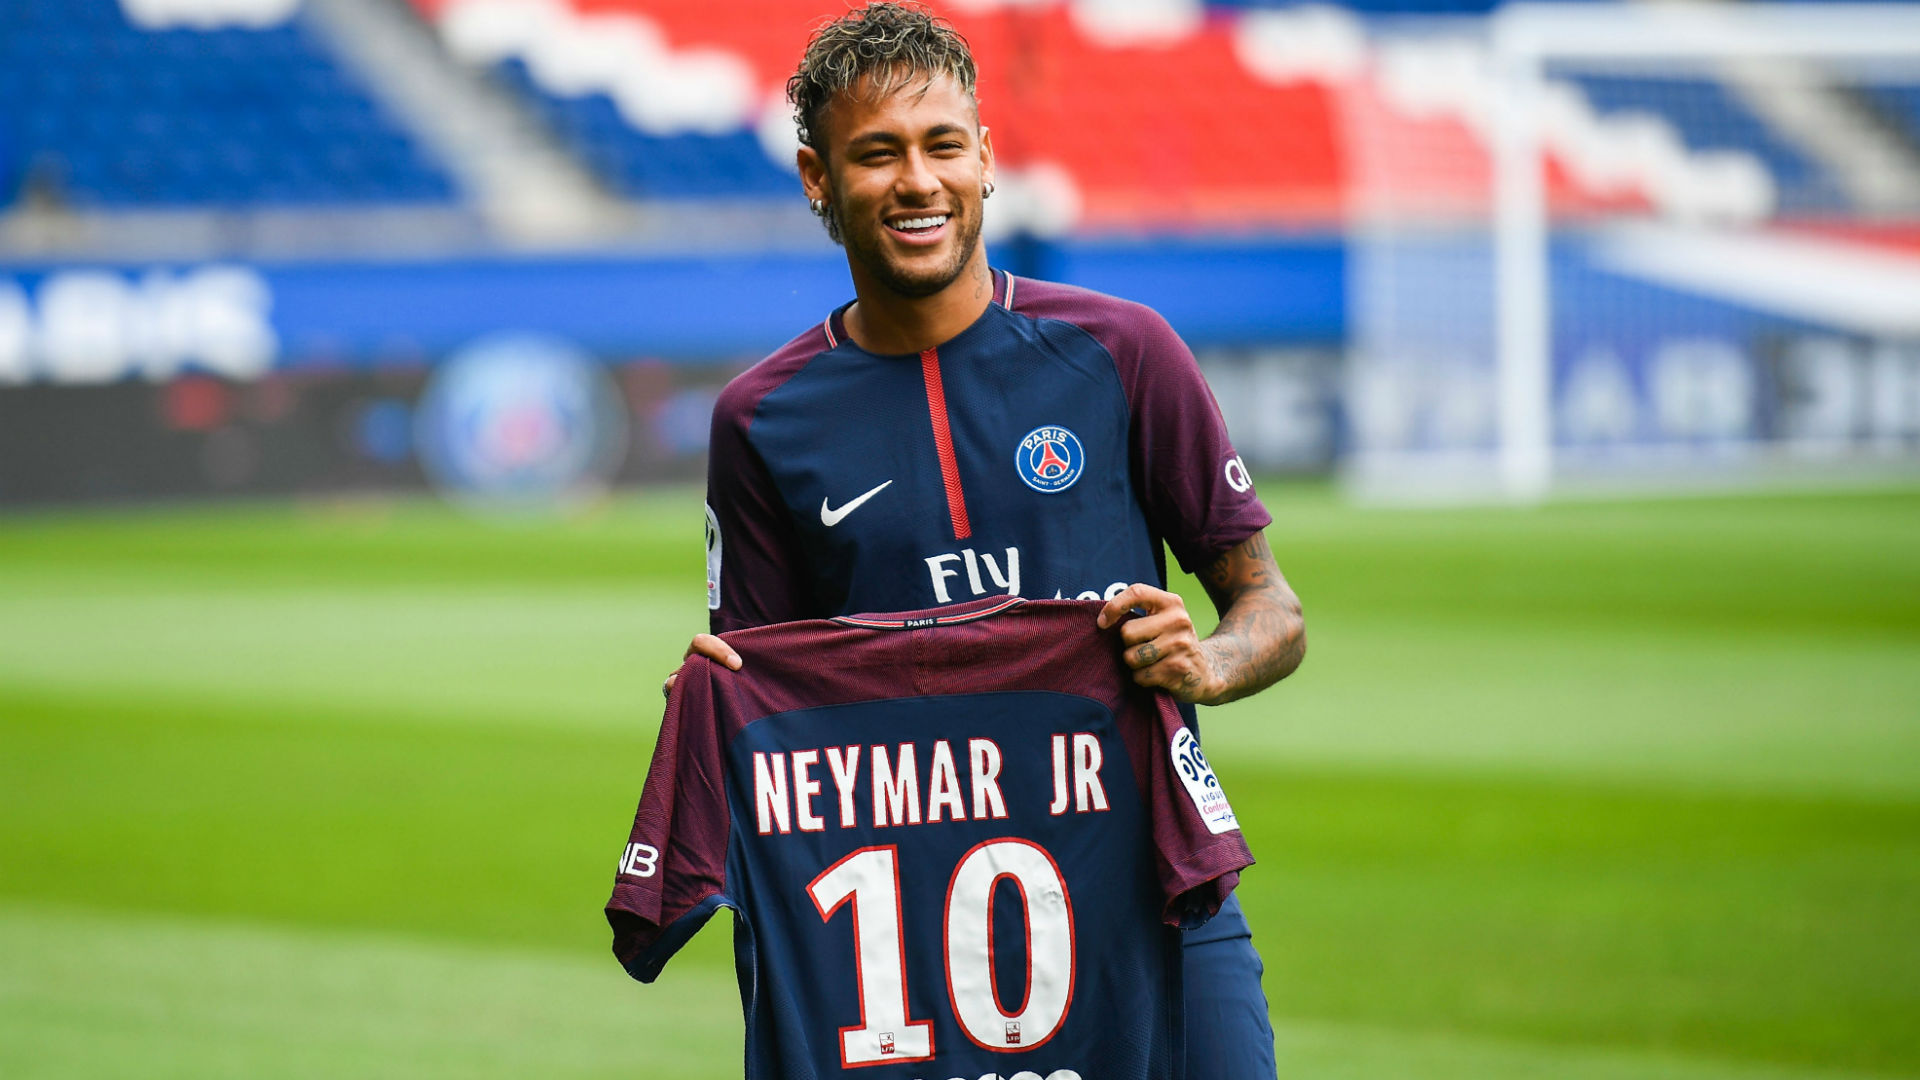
(1707, 117)
(640, 164)
(1150, 116)
(1373, 7)
(1062, 94)
(1244, 118)
(100, 111)
(1898, 104)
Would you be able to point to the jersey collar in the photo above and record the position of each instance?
(835, 325)
(972, 611)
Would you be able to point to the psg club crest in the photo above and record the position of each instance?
(520, 421)
(1049, 459)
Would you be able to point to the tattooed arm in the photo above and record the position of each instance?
(1262, 636)
(1260, 640)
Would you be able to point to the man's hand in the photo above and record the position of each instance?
(1162, 647)
(710, 647)
(1260, 640)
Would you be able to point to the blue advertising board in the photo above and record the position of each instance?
(98, 323)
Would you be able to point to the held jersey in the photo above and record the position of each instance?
(1045, 451)
(957, 843)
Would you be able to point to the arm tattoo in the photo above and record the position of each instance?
(1251, 559)
(1262, 636)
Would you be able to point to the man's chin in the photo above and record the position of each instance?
(915, 274)
(918, 282)
(919, 287)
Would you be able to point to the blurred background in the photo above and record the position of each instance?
(356, 359)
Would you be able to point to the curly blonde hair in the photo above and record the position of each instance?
(890, 44)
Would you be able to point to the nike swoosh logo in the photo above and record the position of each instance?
(831, 517)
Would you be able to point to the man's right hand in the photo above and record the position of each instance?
(712, 648)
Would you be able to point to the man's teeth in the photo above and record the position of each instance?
(914, 224)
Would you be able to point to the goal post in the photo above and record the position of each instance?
(1688, 251)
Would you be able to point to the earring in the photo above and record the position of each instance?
(986, 190)
(818, 206)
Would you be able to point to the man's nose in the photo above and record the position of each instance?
(917, 178)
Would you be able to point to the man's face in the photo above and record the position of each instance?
(903, 173)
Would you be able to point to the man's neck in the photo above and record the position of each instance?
(883, 321)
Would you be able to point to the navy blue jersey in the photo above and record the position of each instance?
(1046, 451)
(958, 843)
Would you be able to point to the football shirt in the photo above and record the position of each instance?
(1045, 451)
(957, 843)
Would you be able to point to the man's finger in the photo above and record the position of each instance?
(1159, 649)
(1145, 597)
(1179, 677)
(713, 648)
(1161, 624)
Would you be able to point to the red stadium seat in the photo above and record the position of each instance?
(1164, 134)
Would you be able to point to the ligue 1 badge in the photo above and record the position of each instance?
(1049, 459)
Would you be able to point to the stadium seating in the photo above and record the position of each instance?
(1382, 7)
(1899, 105)
(1185, 122)
(96, 111)
(1226, 117)
(641, 164)
(1708, 118)
(1202, 142)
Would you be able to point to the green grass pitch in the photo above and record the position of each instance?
(1587, 791)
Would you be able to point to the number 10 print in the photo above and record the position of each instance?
(870, 877)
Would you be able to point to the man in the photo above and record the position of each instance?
(956, 431)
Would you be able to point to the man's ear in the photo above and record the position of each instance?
(813, 174)
(986, 153)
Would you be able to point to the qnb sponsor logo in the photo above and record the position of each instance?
(640, 860)
(1057, 1074)
(96, 326)
(1237, 477)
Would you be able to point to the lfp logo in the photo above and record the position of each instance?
(1049, 459)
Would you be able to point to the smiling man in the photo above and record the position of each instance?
(956, 432)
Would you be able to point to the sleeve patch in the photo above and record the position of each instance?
(713, 561)
(1202, 786)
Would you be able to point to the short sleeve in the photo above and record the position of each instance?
(1194, 487)
(756, 570)
(1197, 840)
(672, 874)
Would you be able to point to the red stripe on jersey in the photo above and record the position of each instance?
(943, 443)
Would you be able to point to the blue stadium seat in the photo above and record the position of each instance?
(99, 112)
(1374, 7)
(1708, 117)
(1899, 104)
(643, 165)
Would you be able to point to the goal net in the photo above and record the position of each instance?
(1635, 246)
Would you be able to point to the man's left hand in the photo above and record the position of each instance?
(1162, 647)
